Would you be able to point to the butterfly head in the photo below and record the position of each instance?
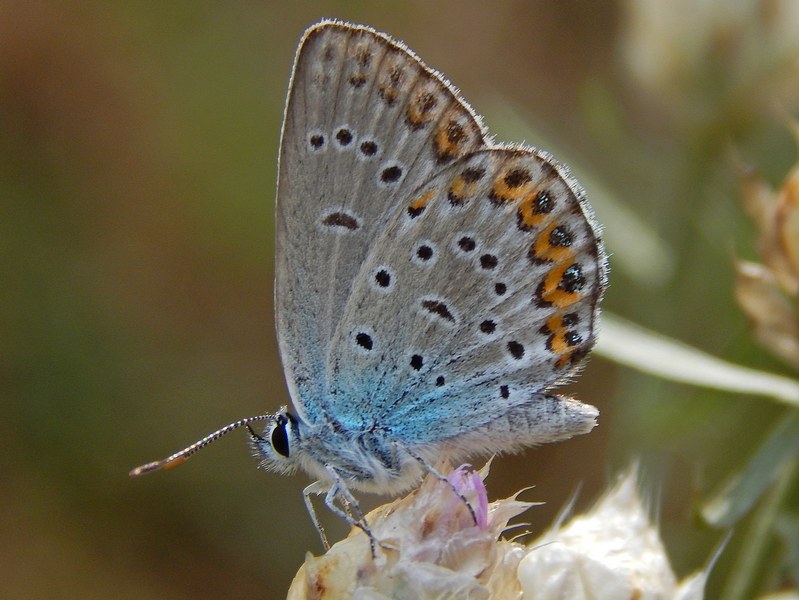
(277, 446)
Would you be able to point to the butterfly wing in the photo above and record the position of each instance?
(480, 293)
(364, 120)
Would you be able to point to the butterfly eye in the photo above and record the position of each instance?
(280, 437)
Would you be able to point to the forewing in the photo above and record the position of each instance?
(364, 120)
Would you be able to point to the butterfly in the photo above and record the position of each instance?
(431, 287)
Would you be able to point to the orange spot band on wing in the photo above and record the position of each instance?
(449, 138)
(552, 294)
(513, 185)
(460, 189)
(528, 217)
(564, 360)
(558, 329)
(420, 110)
(542, 248)
(422, 201)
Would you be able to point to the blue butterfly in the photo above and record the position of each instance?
(431, 286)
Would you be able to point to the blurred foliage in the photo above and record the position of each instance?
(137, 170)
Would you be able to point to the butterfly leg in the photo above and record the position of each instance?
(316, 487)
(435, 473)
(340, 491)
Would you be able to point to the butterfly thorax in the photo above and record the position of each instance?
(367, 459)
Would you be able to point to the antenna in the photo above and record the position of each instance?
(183, 455)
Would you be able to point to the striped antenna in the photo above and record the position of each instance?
(181, 457)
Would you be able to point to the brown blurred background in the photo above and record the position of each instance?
(137, 173)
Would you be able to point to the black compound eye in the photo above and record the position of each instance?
(280, 437)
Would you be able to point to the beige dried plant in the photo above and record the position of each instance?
(433, 549)
(768, 292)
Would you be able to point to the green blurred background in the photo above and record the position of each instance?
(137, 172)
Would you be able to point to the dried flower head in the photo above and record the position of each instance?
(613, 551)
(432, 548)
(733, 57)
(768, 292)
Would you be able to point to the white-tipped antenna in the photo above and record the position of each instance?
(180, 457)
